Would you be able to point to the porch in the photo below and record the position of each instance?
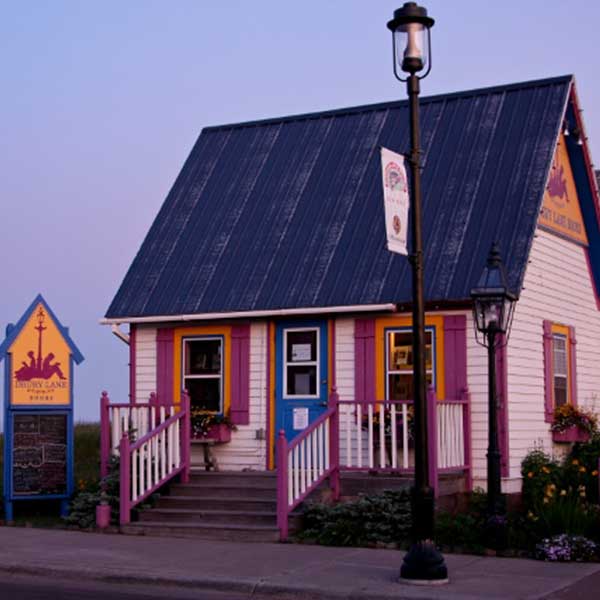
(363, 442)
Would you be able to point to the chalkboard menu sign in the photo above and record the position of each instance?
(39, 454)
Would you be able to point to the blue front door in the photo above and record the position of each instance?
(301, 375)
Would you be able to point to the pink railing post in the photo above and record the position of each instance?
(125, 480)
(432, 439)
(334, 444)
(282, 486)
(104, 434)
(153, 402)
(186, 436)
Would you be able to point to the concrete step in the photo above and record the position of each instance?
(206, 531)
(224, 517)
(209, 502)
(224, 490)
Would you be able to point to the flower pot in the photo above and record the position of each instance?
(219, 433)
(572, 434)
(102, 516)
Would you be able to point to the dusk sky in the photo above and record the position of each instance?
(101, 103)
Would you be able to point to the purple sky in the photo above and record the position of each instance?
(101, 103)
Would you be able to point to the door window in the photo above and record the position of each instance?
(301, 363)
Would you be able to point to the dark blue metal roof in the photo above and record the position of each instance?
(288, 213)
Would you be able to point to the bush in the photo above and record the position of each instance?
(370, 520)
(564, 547)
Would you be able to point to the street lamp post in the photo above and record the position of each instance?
(493, 309)
(412, 49)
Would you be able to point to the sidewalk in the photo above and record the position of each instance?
(280, 570)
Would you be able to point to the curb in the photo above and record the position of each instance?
(252, 588)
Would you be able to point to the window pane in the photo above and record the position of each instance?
(401, 387)
(301, 346)
(559, 351)
(202, 357)
(205, 394)
(560, 391)
(301, 381)
(400, 351)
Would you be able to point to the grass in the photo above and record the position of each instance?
(42, 513)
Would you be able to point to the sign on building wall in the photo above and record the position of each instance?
(395, 199)
(38, 356)
(561, 212)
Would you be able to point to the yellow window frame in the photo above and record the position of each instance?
(437, 322)
(185, 332)
(558, 328)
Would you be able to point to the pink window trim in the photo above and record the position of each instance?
(164, 365)
(364, 359)
(240, 374)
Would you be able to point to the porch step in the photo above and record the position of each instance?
(225, 490)
(240, 506)
(217, 503)
(213, 517)
(206, 531)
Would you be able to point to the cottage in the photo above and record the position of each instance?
(264, 287)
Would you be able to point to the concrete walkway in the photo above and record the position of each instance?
(278, 570)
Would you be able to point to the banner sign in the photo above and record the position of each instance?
(395, 199)
(561, 212)
(38, 356)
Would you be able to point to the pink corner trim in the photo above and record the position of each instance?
(268, 435)
(332, 346)
(132, 363)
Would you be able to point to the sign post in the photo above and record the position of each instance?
(38, 356)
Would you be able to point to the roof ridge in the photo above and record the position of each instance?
(392, 103)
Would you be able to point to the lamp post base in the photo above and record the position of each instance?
(424, 565)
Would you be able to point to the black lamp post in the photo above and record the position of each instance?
(412, 48)
(493, 308)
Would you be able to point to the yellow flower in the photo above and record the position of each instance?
(595, 473)
(582, 494)
(546, 469)
(575, 461)
(563, 492)
(530, 474)
(546, 500)
(582, 469)
(552, 486)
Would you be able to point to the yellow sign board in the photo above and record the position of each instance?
(561, 211)
(40, 371)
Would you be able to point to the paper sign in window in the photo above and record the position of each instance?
(300, 418)
(301, 352)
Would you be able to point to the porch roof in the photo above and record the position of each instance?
(288, 213)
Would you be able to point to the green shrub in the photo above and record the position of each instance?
(370, 520)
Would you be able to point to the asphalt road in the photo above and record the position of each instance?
(22, 587)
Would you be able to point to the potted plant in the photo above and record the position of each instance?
(572, 424)
(211, 426)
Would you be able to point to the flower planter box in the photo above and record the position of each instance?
(217, 433)
(573, 434)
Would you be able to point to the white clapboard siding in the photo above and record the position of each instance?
(557, 287)
(145, 363)
(245, 451)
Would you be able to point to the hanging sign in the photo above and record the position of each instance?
(38, 356)
(395, 199)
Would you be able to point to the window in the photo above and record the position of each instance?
(301, 363)
(203, 372)
(560, 366)
(560, 369)
(400, 365)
